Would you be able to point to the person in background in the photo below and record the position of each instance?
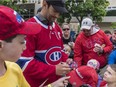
(108, 33)
(45, 49)
(91, 43)
(67, 49)
(67, 38)
(66, 34)
(113, 39)
(112, 57)
(109, 76)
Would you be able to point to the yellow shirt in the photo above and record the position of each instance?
(13, 76)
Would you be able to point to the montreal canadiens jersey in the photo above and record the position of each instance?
(46, 46)
(44, 51)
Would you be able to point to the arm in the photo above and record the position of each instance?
(39, 72)
(62, 82)
(78, 52)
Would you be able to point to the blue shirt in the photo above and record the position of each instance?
(112, 57)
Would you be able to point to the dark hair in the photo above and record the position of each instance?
(114, 30)
(107, 32)
(48, 3)
(10, 39)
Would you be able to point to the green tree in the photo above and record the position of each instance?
(80, 9)
(113, 25)
(9, 3)
(13, 4)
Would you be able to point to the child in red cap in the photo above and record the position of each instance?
(85, 75)
(13, 30)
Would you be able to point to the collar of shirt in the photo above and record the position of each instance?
(43, 20)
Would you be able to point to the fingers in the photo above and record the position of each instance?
(64, 80)
(69, 61)
(62, 68)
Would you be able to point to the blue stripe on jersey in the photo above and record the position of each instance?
(40, 57)
(22, 62)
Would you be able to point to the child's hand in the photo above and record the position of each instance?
(61, 82)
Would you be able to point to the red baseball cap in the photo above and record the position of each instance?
(11, 23)
(83, 75)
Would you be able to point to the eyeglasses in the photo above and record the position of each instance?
(66, 29)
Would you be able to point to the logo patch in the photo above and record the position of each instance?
(53, 56)
(18, 17)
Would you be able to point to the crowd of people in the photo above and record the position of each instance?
(49, 56)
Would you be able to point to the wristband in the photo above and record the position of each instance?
(49, 85)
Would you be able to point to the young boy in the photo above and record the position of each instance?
(109, 76)
(13, 31)
(85, 76)
(12, 43)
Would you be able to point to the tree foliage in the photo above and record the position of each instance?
(8, 3)
(80, 9)
(113, 25)
(13, 5)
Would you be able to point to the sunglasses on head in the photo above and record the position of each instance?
(66, 29)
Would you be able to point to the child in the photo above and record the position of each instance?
(86, 76)
(12, 43)
(67, 49)
(83, 75)
(95, 64)
(13, 31)
(109, 76)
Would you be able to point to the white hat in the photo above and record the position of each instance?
(93, 63)
(86, 24)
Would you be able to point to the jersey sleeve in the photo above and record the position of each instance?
(38, 71)
(78, 52)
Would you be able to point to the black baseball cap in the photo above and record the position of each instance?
(58, 5)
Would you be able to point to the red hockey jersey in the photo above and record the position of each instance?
(46, 48)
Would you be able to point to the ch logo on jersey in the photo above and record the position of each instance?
(53, 55)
